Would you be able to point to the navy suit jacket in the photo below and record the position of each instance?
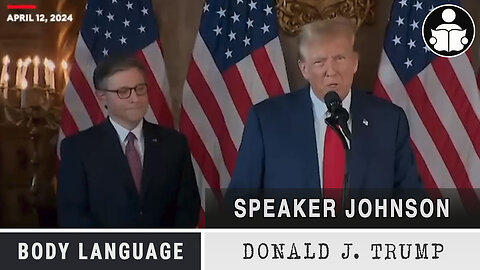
(278, 148)
(96, 187)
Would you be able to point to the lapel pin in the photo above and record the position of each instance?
(365, 122)
(154, 140)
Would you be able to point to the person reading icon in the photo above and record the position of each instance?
(448, 36)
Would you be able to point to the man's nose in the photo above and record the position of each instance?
(331, 69)
(133, 96)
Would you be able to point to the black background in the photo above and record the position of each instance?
(9, 251)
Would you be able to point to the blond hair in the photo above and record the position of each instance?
(323, 30)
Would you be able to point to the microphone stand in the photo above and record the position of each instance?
(333, 123)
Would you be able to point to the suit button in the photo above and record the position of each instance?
(141, 213)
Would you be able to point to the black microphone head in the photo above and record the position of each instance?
(332, 100)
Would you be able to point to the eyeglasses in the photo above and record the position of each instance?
(126, 92)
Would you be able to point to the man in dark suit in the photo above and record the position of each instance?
(287, 144)
(126, 172)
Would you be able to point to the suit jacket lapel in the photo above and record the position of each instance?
(359, 154)
(154, 161)
(307, 140)
(115, 160)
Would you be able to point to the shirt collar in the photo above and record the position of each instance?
(123, 132)
(319, 107)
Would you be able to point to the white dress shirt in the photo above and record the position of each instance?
(123, 133)
(320, 112)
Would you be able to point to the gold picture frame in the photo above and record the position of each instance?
(293, 14)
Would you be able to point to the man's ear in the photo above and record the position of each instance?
(356, 57)
(101, 96)
(303, 68)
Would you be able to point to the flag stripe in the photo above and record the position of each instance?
(423, 169)
(83, 68)
(267, 73)
(202, 182)
(157, 100)
(427, 177)
(69, 127)
(429, 182)
(468, 82)
(237, 91)
(61, 136)
(460, 101)
(468, 53)
(154, 56)
(85, 61)
(438, 133)
(478, 80)
(77, 109)
(149, 116)
(214, 80)
(450, 120)
(206, 168)
(201, 218)
(214, 114)
(199, 152)
(203, 130)
(275, 54)
(396, 91)
(252, 80)
(440, 175)
(85, 93)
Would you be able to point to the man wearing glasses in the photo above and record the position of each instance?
(126, 172)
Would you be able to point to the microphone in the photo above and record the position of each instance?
(339, 115)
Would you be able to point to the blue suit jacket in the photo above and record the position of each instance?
(278, 148)
(96, 187)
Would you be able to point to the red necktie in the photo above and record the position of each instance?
(134, 160)
(333, 166)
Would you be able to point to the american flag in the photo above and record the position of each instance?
(113, 27)
(440, 97)
(237, 61)
(478, 78)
